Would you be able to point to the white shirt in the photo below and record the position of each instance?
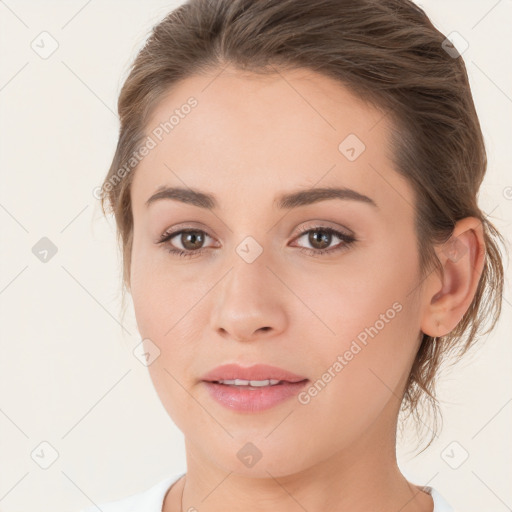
(152, 499)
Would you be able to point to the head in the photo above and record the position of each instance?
(247, 102)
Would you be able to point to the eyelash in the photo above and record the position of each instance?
(348, 240)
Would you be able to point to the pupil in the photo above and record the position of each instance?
(324, 235)
(194, 237)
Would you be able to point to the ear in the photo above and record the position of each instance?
(446, 298)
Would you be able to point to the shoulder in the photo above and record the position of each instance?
(149, 500)
(440, 504)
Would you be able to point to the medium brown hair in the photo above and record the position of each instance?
(388, 53)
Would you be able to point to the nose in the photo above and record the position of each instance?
(249, 303)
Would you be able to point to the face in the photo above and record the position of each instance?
(262, 282)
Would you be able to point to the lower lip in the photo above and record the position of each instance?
(246, 399)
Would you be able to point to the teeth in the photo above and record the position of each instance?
(255, 383)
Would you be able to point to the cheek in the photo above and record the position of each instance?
(167, 312)
(155, 292)
(376, 326)
(358, 380)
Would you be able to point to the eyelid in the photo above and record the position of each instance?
(171, 233)
(323, 224)
(184, 226)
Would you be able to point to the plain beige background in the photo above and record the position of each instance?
(73, 396)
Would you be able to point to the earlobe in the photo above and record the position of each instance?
(462, 258)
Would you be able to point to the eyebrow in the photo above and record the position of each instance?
(285, 201)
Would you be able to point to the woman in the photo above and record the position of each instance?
(295, 189)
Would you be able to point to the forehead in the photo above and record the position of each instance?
(248, 134)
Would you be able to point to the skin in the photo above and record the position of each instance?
(249, 139)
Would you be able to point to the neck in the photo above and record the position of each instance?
(361, 477)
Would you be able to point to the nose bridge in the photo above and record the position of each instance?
(249, 270)
(247, 300)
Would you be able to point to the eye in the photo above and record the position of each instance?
(325, 239)
(190, 239)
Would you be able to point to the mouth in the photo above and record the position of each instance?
(259, 375)
(252, 389)
(254, 384)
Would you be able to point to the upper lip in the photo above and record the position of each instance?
(255, 372)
